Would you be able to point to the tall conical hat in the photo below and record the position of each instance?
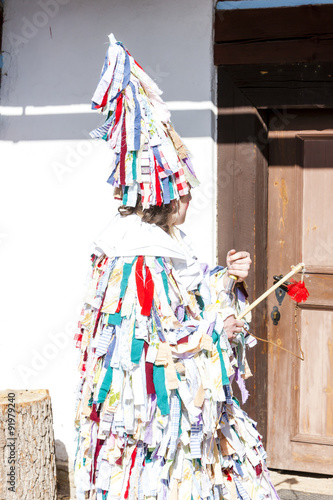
(149, 158)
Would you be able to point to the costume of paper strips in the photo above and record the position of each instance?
(156, 418)
(149, 157)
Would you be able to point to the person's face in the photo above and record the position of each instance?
(183, 204)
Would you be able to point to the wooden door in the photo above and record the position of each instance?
(300, 229)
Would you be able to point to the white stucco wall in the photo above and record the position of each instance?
(54, 195)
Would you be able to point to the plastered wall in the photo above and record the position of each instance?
(53, 191)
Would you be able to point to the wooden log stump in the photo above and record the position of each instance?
(27, 454)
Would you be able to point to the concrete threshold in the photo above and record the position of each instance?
(298, 481)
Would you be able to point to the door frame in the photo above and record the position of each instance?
(248, 88)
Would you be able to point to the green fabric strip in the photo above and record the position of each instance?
(137, 347)
(134, 166)
(127, 269)
(172, 194)
(106, 384)
(200, 301)
(236, 401)
(115, 319)
(161, 392)
(225, 378)
(125, 195)
(164, 278)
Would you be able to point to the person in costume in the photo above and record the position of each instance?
(159, 342)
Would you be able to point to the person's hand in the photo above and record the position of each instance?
(238, 264)
(232, 326)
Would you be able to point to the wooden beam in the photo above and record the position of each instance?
(298, 75)
(262, 4)
(307, 50)
(273, 23)
(320, 97)
(296, 85)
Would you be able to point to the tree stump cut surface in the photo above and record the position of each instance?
(27, 453)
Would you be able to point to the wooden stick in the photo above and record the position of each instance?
(295, 270)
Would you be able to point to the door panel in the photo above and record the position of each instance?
(317, 205)
(315, 389)
(300, 229)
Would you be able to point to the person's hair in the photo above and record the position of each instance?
(162, 215)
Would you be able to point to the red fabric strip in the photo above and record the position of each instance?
(149, 378)
(120, 459)
(123, 151)
(149, 294)
(99, 445)
(98, 316)
(139, 280)
(149, 367)
(119, 305)
(143, 199)
(145, 287)
(183, 340)
(94, 415)
(105, 99)
(118, 109)
(158, 186)
(136, 62)
(130, 472)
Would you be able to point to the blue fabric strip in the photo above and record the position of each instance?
(158, 324)
(159, 160)
(127, 71)
(111, 178)
(166, 192)
(126, 77)
(215, 270)
(105, 65)
(137, 121)
(102, 132)
(109, 353)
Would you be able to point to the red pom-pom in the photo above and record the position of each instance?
(297, 291)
